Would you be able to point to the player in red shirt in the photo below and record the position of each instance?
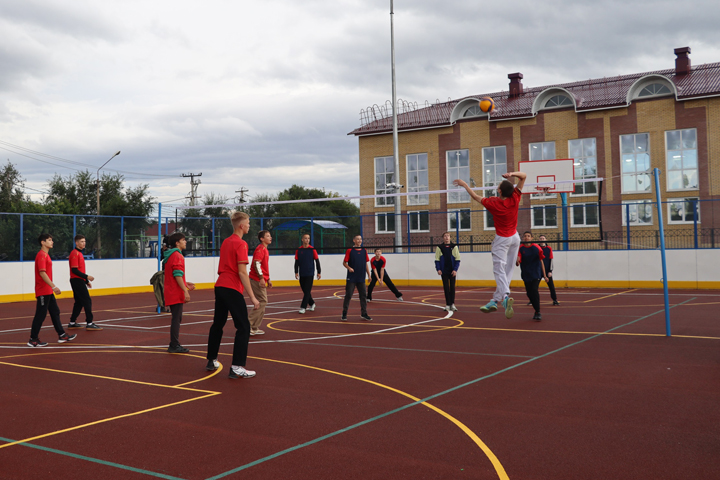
(176, 289)
(504, 209)
(80, 282)
(260, 280)
(233, 276)
(44, 291)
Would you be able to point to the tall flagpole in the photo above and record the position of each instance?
(396, 154)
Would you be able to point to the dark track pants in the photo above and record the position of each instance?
(177, 311)
(306, 283)
(82, 300)
(449, 288)
(45, 304)
(386, 281)
(551, 286)
(349, 290)
(531, 288)
(230, 300)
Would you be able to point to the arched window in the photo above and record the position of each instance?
(558, 101)
(654, 89)
(473, 111)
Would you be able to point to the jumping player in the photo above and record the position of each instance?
(233, 278)
(306, 261)
(177, 289)
(530, 259)
(379, 274)
(356, 262)
(80, 282)
(548, 261)
(447, 263)
(504, 209)
(44, 291)
(260, 280)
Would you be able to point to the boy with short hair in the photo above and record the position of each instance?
(379, 274)
(548, 261)
(177, 290)
(44, 291)
(356, 262)
(530, 259)
(260, 280)
(447, 263)
(80, 282)
(504, 209)
(306, 261)
(232, 280)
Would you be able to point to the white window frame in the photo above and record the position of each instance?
(569, 103)
(451, 216)
(655, 94)
(580, 162)
(634, 205)
(637, 173)
(571, 214)
(461, 196)
(682, 170)
(544, 208)
(542, 157)
(384, 201)
(417, 199)
(684, 200)
(417, 215)
(378, 215)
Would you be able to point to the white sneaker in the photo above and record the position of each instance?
(400, 299)
(240, 372)
(447, 308)
(453, 308)
(311, 308)
(302, 310)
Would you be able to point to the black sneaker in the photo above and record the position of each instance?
(36, 343)
(366, 317)
(344, 317)
(177, 349)
(74, 325)
(555, 302)
(92, 326)
(66, 338)
(537, 317)
(212, 365)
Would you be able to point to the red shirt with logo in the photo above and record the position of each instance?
(43, 263)
(233, 250)
(262, 255)
(173, 267)
(76, 260)
(504, 212)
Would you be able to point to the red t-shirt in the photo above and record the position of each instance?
(173, 293)
(76, 260)
(504, 212)
(43, 263)
(261, 255)
(234, 250)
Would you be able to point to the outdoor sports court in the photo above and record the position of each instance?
(594, 391)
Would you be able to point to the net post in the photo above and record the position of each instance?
(212, 241)
(408, 228)
(159, 250)
(122, 235)
(22, 256)
(693, 202)
(627, 225)
(312, 231)
(563, 197)
(656, 173)
(457, 226)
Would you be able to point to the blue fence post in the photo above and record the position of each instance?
(122, 237)
(656, 172)
(693, 202)
(213, 237)
(627, 225)
(72, 245)
(312, 230)
(408, 229)
(362, 218)
(563, 197)
(457, 226)
(22, 256)
(159, 250)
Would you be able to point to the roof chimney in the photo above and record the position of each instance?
(516, 86)
(682, 62)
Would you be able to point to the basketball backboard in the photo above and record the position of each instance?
(544, 172)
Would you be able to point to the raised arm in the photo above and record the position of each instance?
(521, 176)
(471, 192)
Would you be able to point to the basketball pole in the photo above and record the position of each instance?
(656, 173)
(396, 154)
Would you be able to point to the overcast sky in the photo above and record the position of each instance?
(262, 94)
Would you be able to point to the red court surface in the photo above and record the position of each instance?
(594, 391)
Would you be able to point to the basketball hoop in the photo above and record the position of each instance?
(544, 190)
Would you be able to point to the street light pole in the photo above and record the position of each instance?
(97, 192)
(396, 155)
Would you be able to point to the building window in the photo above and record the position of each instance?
(384, 174)
(417, 178)
(458, 166)
(635, 163)
(544, 216)
(681, 151)
(584, 215)
(419, 221)
(494, 165)
(681, 210)
(584, 157)
(654, 89)
(558, 101)
(542, 151)
(640, 212)
(385, 223)
(473, 111)
(462, 216)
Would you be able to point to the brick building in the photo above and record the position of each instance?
(619, 128)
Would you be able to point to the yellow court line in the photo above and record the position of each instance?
(614, 294)
(499, 469)
(432, 328)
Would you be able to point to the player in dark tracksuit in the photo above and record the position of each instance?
(356, 262)
(306, 261)
(377, 264)
(548, 261)
(447, 263)
(532, 268)
(80, 282)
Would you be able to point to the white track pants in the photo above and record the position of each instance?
(504, 254)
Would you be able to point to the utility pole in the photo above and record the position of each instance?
(193, 186)
(241, 198)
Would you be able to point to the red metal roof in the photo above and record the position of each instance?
(703, 80)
